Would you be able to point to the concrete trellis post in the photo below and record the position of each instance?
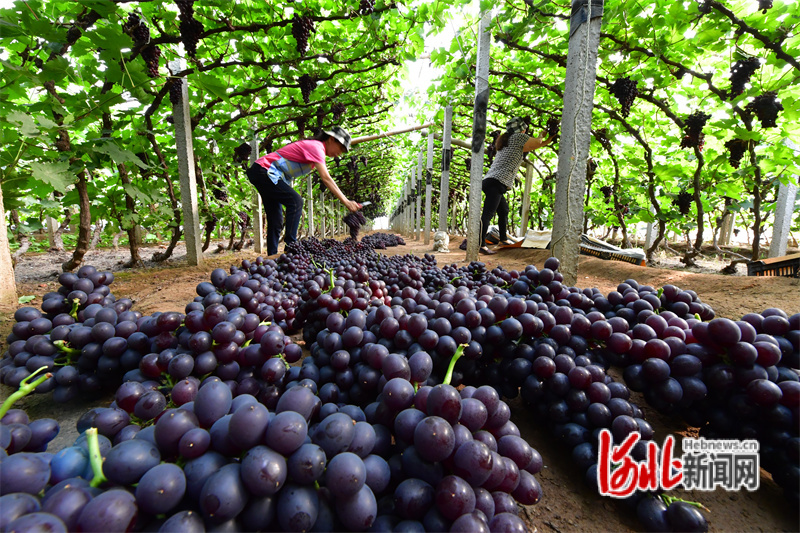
(576, 123)
(418, 232)
(181, 115)
(412, 198)
(258, 219)
(334, 217)
(428, 187)
(784, 208)
(526, 200)
(8, 286)
(310, 209)
(322, 213)
(409, 216)
(725, 229)
(650, 236)
(52, 226)
(478, 136)
(444, 185)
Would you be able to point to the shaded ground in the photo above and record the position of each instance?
(567, 505)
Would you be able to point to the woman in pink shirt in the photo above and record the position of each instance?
(273, 175)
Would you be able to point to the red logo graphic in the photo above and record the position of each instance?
(619, 475)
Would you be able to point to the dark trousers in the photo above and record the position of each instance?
(274, 197)
(495, 202)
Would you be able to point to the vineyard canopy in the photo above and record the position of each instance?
(86, 110)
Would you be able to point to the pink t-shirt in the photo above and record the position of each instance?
(293, 160)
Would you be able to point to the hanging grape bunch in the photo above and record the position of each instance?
(320, 116)
(302, 27)
(73, 34)
(151, 54)
(337, 109)
(741, 71)
(352, 165)
(266, 145)
(491, 151)
(552, 127)
(136, 29)
(363, 160)
(244, 219)
(307, 85)
(764, 5)
(219, 191)
(468, 162)
(354, 221)
(684, 202)
(189, 27)
(365, 7)
(602, 137)
(693, 135)
(737, 148)
(301, 126)
(766, 107)
(242, 152)
(606, 192)
(624, 90)
(176, 91)
(211, 223)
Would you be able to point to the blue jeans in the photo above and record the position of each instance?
(274, 197)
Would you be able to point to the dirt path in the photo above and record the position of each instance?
(567, 504)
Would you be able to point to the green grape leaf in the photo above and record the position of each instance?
(55, 174)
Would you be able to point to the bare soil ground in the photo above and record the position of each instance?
(567, 505)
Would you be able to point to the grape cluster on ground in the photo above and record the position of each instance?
(396, 417)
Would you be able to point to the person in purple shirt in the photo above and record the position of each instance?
(274, 174)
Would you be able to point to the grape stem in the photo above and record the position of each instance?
(66, 351)
(25, 388)
(248, 341)
(669, 499)
(282, 358)
(74, 311)
(456, 357)
(95, 459)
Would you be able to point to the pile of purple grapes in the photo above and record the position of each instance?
(396, 418)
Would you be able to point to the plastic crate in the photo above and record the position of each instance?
(787, 265)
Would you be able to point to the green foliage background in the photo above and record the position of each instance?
(76, 100)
